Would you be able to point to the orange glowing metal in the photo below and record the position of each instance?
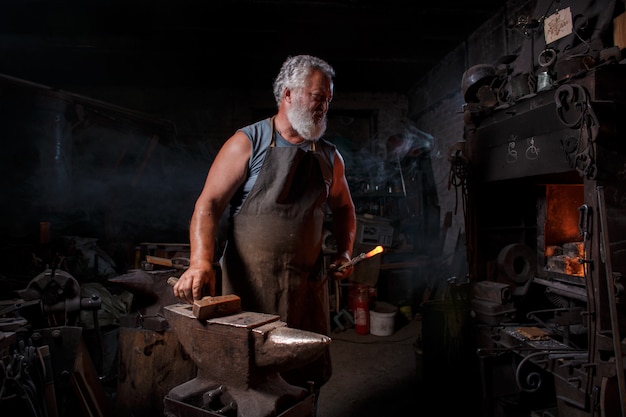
(362, 256)
(375, 251)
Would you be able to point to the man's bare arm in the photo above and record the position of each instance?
(227, 173)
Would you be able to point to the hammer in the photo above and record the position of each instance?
(209, 307)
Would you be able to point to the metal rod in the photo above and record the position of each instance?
(352, 262)
(401, 176)
(617, 344)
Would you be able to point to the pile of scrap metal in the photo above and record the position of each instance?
(45, 368)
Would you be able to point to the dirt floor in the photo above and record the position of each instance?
(372, 375)
(384, 376)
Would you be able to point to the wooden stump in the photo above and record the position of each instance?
(151, 363)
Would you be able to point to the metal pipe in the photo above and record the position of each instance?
(606, 258)
(401, 176)
(49, 389)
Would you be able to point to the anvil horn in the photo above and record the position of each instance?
(285, 348)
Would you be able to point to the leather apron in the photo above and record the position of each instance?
(273, 256)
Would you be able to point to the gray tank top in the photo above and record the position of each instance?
(260, 136)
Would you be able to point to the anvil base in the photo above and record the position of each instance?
(272, 398)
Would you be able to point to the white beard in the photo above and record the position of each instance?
(304, 123)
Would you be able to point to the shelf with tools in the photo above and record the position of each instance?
(401, 191)
(398, 207)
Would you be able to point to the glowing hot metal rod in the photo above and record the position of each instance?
(354, 261)
(361, 257)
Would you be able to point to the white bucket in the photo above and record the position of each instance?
(383, 319)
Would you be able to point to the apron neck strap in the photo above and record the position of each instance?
(273, 140)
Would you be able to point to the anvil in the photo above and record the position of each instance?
(239, 359)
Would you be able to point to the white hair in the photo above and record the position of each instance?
(295, 70)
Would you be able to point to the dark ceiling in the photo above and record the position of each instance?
(375, 45)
